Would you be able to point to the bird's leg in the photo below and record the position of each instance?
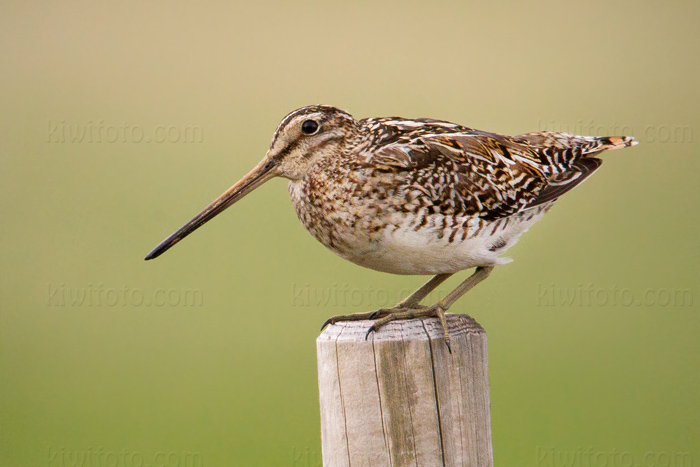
(481, 273)
(407, 303)
(415, 298)
(437, 310)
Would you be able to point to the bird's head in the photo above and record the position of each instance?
(308, 136)
(304, 139)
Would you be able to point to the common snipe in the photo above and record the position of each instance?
(414, 196)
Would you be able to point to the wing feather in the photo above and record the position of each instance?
(485, 174)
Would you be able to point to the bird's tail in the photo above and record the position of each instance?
(568, 159)
(555, 141)
(614, 142)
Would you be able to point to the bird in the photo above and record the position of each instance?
(414, 196)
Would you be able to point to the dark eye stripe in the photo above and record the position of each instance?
(294, 144)
(290, 147)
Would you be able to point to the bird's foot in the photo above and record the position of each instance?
(387, 315)
(433, 311)
(376, 314)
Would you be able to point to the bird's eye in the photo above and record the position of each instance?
(309, 127)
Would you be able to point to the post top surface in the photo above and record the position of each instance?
(412, 329)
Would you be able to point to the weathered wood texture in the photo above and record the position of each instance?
(401, 398)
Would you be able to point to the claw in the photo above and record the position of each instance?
(326, 323)
(372, 329)
(357, 316)
(440, 313)
(375, 314)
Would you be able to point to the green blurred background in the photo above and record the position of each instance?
(207, 355)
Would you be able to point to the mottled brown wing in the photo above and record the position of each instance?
(465, 171)
(559, 184)
(476, 173)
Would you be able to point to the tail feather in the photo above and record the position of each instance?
(586, 144)
(616, 142)
(568, 159)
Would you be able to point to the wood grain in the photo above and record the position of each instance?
(400, 398)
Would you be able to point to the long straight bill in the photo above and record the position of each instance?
(256, 177)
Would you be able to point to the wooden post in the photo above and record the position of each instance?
(401, 398)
